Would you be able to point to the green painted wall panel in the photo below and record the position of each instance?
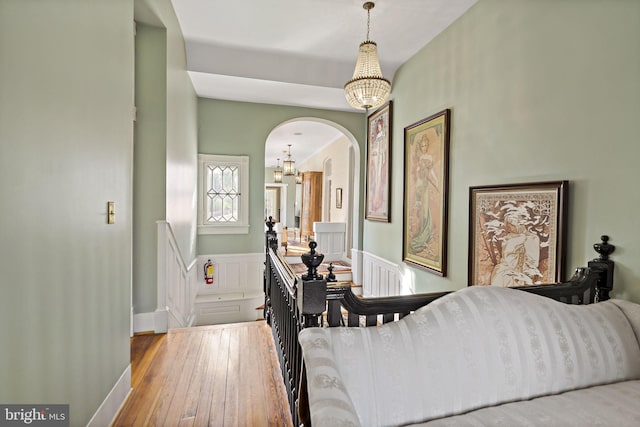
(66, 135)
(150, 159)
(539, 90)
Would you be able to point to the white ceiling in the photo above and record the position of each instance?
(300, 52)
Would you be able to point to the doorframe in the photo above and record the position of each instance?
(283, 199)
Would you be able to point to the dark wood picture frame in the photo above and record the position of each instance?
(378, 191)
(426, 182)
(517, 233)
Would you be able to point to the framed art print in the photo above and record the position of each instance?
(379, 164)
(426, 158)
(516, 233)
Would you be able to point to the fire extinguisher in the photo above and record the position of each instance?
(208, 272)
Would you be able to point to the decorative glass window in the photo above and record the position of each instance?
(223, 206)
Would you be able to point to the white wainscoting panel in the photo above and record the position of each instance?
(232, 272)
(331, 239)
(380, 278)
(176, 283)
(236, 291)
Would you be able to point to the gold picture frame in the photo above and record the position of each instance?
(426, 175)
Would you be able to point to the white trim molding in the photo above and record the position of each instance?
(175, 286)
(356, 266)
(156, 321)
(111, 405)
(238, 225)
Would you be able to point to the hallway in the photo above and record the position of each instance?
(220, 375)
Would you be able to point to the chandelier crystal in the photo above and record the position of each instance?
(367, 88)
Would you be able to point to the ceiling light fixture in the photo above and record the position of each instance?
(367, 88)
(289, 165)
(277, 173)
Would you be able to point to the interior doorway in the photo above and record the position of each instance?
(275, 202)
(312, 141)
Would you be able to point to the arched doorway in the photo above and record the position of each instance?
(315, 144)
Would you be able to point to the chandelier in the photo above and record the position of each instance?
(367, 88)
(289, 165)
(277, 173)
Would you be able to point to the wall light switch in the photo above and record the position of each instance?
(111, 213)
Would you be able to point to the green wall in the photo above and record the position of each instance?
(150, 158)
(66, 134)
(240, 128)
(165, 146)
(539, 90)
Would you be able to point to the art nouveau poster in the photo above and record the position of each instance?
(379, 164)
(426, 145)
(516, 234)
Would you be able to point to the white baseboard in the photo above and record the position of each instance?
(111, 405)
(156, 321)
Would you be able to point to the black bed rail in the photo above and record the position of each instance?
(296, 302)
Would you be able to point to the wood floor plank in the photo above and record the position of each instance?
(144, 350)
(275, 385)
(203, 407)
(233, 374)
(221, 375)
(218, 396)
(256, 391)
(182, 346)
(184, 378)
(138, 404)
(198, 386)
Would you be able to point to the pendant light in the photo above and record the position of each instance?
(277, 173)
(289, 165)
(367, 88)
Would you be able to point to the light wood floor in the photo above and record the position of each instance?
(222, 375)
